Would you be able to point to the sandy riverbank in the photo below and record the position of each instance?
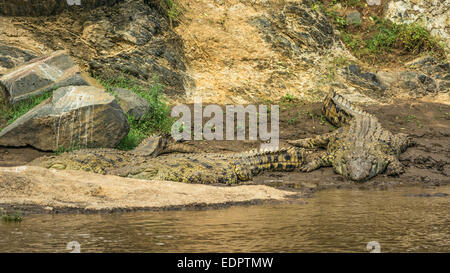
(34, 189)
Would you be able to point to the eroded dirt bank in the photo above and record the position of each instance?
(34, 189)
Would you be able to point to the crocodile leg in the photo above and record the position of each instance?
(402, 142)
(320, 141)
(395, 167)
(317, 160)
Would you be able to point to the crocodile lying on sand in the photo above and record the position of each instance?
(360, 149)
(181, 167)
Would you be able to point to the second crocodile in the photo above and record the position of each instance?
(360, 149)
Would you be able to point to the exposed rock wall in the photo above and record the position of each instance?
(46, 7)
(241, 51)
(234, 51)
(131, 37)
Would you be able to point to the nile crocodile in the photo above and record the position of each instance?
(360, 149)
(141, 162)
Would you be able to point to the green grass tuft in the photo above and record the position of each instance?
(170, 8)
(11, 112)
(156, 120)
(16, 217)
(380, 40)
(387, 37)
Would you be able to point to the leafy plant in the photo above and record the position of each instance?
(16, 217)
(288, 97)
(156, 120)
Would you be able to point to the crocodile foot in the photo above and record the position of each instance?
(395, 168)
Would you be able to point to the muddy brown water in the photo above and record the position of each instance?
(400, 220)
(342, 216)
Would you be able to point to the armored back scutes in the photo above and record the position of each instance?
(360, 149)
(339, 111)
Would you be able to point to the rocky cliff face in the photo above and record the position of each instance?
(244, 51)
(131, 37)
(235, 51)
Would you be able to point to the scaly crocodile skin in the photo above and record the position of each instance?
(360, 149)
(190, 168)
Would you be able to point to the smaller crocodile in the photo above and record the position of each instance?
(360, 149)
(152, 161)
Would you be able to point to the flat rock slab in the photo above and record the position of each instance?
(40, 75)
(75, 116)
(64, 190)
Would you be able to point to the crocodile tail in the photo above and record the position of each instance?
(253, 162)
(339, 111)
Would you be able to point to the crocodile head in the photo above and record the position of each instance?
(359, 164)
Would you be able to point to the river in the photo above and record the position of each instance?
(330, 221)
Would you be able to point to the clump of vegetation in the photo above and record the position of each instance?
(379, 40)
(170, 8)
(288, 98)
(156, 120)
(11, 112)
(16, 217)
(387, 37)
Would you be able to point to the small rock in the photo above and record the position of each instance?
(367, 79)
(421, 61)
(131, 103)
(428, 83)
(387, 78)
(354, 69)
(76, 116)
(354, 18)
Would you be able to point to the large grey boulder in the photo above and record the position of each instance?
(131, 103)
(75, 116)
(40, 75)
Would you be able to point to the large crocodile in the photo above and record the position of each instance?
(142, 162)
(360, 149)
